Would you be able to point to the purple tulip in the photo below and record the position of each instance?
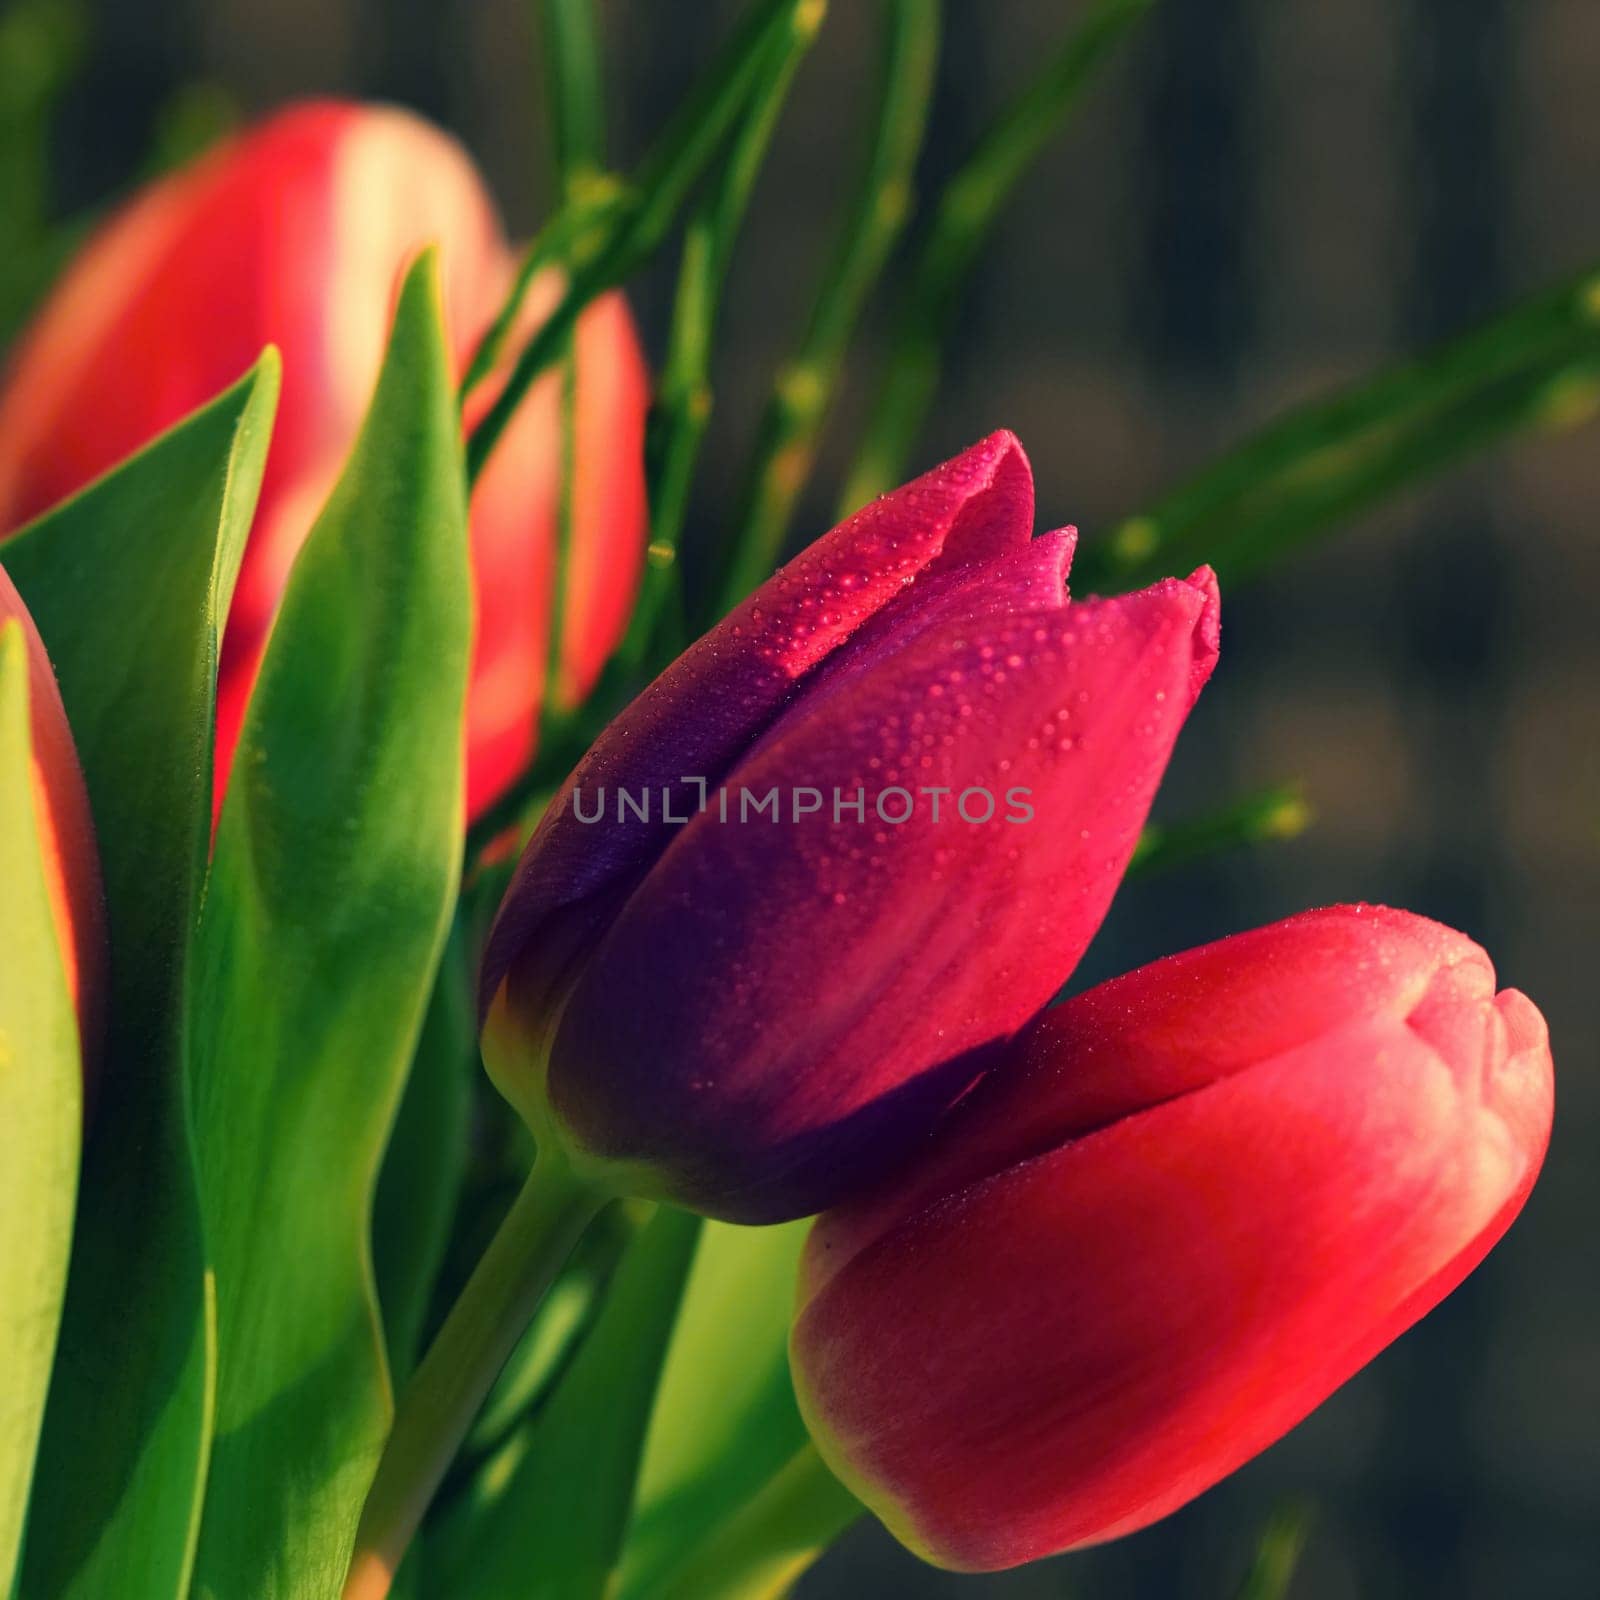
(753, 1015)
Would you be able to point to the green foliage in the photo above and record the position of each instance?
(1534, 367)
(1278, 1553)
(724, 1421)
(425, 1162)
(545, 1519)
(286, 1127)
(1279, 813)
(128, 583)
(330, 895)
(791, 428)
(40, 1113)
(962, 220)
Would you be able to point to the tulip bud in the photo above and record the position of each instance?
(67, 847)
(1201, 1197)
(297, 234)
(753, 1011)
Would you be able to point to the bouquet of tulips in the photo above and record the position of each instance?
(357, 726)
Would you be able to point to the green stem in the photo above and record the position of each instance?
(449, 1386)
(628, 234)
(760, 1553)
(1277, 813)
(569, 235)
(962, 221)
(683, 405)
(792, 425)
(572, 91)
(1278, 1552)
(1534, 367)
(554, 707)
(677, 426)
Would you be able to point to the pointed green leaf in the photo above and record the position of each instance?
(128, 583)
(725, 1421)
(545, 1519)
(40, 1112)
(329, 901)
(425, 1162)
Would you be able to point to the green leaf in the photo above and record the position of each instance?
(546, 1517)
(725, 1422)
(1534, 367)
(41, 1093)
(557, 1332)
(425, 1162)
(128, 583)
(329, 902)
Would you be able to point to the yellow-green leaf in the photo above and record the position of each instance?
(41, 1096)
(128, 583)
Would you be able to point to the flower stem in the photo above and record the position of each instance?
(1281, 812)
(449, 1387)
(1533, 368)
(794, 419)
(963, 219)
(572, 90)
(778, 1534)
(683, 406)
(628, 233)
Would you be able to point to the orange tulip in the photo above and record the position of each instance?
(296, 234)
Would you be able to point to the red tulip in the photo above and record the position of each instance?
(66, 833)
(297, 234)
(752, 1014)
(1199, 1199)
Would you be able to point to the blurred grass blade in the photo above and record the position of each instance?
(41, 1112)
(792, 426)
(725, 1422)
(676, 427)
(424, 1162)
(572, 90)
(546, 1518)
(625, 232)
(327, 909)
(682, 409)
(128, 583)
(962, 222)
(1278, 1553)
(556, 709)
(1534, 367)
(1281, 812)
(41, 49)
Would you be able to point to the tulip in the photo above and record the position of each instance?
(1202, 1196)
(66, 832)
(297, 234)
(752, 1014)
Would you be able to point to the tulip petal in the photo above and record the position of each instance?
(297, 233)
(837, 982)
(708, 707)
(1169, 1028)
(1142, 1310)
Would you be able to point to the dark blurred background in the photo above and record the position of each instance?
(1261, 199)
